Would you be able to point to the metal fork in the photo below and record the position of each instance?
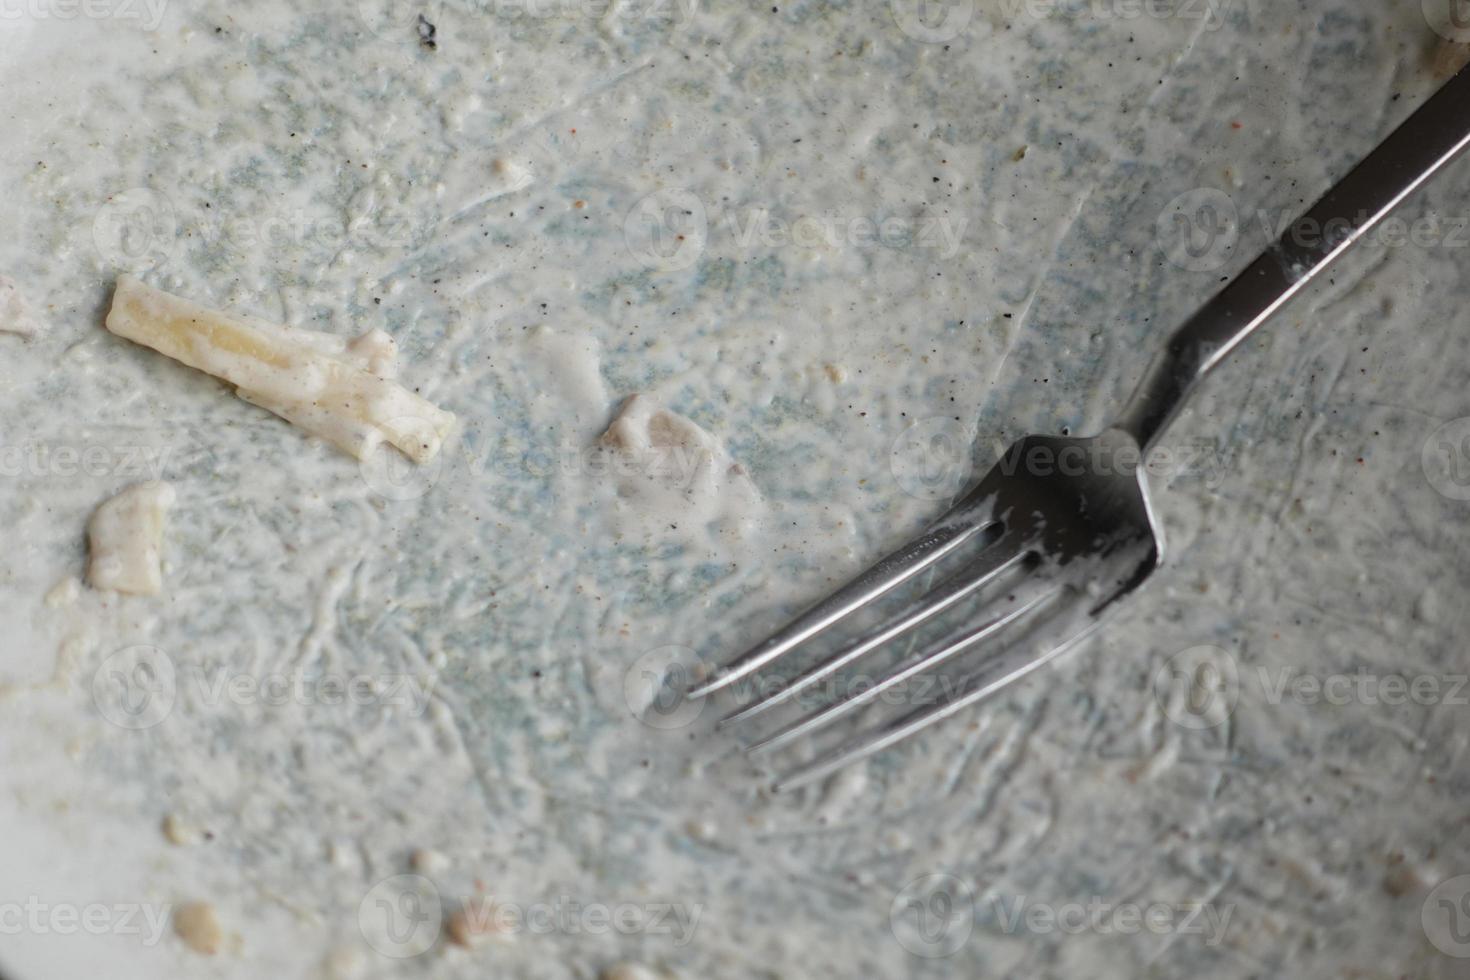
(1062, 528)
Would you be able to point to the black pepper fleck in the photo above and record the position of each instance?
(428, 33)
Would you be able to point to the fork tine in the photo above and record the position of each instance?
(958, 526)
(994, 676)
(1023, 602)
(1000, 556)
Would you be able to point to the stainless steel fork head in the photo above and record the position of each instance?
(1057, 531)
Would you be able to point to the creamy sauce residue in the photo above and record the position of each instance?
(668, 470)
(806, 238)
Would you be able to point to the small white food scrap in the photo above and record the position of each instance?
(15, 317)
(198, 926)
(125, 538)
(677, 474)
(180, 832)
(63, 593)
(337, 390)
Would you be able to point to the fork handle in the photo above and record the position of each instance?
(1429, 140)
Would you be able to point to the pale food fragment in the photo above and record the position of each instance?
(344, 963)
(1448, 58)
(631, 971)
(15, 317)
(198, 926)
(676, 474)
(335, 389)
(63, 593)
(475, 920)
(125, 540)
(427, 861)
(180, 832)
